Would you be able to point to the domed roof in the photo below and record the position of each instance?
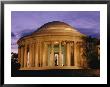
(56, 28)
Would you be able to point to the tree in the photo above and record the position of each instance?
(14, 62)
(90, 51)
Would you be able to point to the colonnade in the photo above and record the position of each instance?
(35, 54)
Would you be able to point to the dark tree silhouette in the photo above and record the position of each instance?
(14, 62)
(90, 51)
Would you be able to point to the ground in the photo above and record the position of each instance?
(58, 73)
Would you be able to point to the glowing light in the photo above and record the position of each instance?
(56, 42)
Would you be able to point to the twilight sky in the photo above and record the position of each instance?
(25, 22)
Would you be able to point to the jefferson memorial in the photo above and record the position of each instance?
(55, 45)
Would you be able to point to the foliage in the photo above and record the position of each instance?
(90, 51)
(14, 62)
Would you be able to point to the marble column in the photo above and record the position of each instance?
(60, 55)
(52, 60)
(33, 56)
(72, 61)
(65, 53)
(48, 54)
(40, 53)
(70, 54)
(30, 55)
(25, 55)
(44, 54)
(68, 61)
(36, 55)
(75, 54)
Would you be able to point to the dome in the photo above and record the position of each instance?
(56, 28)
(55, 45)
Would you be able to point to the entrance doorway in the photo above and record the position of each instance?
(56, 55)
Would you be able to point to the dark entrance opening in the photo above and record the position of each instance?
(56, 55)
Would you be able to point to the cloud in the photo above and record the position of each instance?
(96, 35)
(26, 32)
(14, 47)
(17, 35)
(90, 32)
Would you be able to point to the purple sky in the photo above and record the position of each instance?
(25, 22)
